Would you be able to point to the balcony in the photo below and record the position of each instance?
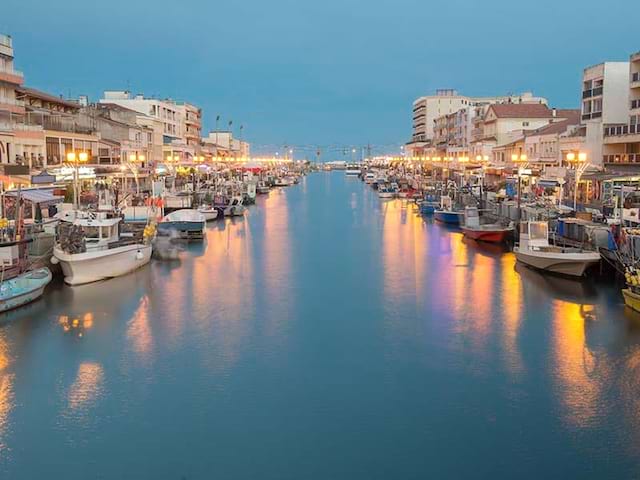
(9, 75)
(418, 108)
(621, 158)
(635, 80)
(12, 105)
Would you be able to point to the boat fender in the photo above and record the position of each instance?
(139, 255)
(54, 260)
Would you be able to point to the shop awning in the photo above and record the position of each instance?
(37, 196)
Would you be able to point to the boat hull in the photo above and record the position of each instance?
(93, 266)
(631, 300)
(570, 264)
(209, 215)
(450, 218)
(486, 235)
(24, 289)
(181, 226)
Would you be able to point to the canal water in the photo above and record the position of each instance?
(328, 335)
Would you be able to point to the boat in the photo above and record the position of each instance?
(233, 208)
(352, 170)
(93, 246)
(209, 212)
(385, 192)
(188, 223)
(25, 288)
(631, 299)
(369, 178)
(490, 232)
(282, 182)
(262, 187)
(535, 251)
(446, 213)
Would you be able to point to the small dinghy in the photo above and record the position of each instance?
(23, 289)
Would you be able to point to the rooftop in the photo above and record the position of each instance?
(521, 110)
(47, 97)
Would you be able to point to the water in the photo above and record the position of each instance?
(327, 335)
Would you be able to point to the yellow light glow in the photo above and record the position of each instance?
(514, 157)
(83, 157)
(582, 157)
(141, 158)
(71, 157)
(132, 157)
(571, 156)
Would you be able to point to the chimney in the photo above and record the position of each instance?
(554, 112)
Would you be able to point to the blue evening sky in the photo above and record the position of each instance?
(316, 72)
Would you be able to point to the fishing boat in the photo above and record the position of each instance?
(262, 187)
(631, 299)
(534, 250)
(233, 207)
(93, 246)
(385, 192)
(25, 288)
(352, 170)
(209, 212)
(282, 182)
(490, 232)
(188, 223)
(369, 178)
(446, 213)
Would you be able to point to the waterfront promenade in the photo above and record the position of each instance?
(326, 335)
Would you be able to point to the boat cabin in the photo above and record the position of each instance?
(534, 235)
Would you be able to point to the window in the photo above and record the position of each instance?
(597, 105)
(525, 124)
(586, 107)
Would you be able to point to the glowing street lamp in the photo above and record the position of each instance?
(580, 164)
(75, 160)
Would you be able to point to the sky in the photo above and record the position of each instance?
(325, 72)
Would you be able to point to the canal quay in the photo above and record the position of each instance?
(324, 334)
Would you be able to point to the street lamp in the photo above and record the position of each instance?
(580, 164)
(75, 160)
(521, 158)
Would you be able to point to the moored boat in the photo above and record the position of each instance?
(210, 213)
(188, 223)
(535, 251)
(25, 288)
(91, 247)
(490, 232)
(446, 213)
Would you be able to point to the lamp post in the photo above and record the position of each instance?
(75, 160)
(519, 159)
(580, 164)
(134, 159)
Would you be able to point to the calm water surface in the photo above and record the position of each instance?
(328, 335)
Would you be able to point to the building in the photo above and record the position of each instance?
(542, 146)
(168, 111)
(447, 101)
(605, 101)
(621, 149)
(11, 108)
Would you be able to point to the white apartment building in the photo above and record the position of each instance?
(622, 141)
(168, 111)
(10, 107)
(605, 101)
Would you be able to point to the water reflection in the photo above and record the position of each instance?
(580, 374)
(85, 390)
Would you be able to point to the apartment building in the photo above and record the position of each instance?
(605, 95)
(621, 142)
(168, 111)
(10, 106)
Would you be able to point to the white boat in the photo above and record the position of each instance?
(23, 289)
(235, 208)
(352, 170)
(209, 212)
(535, 251)
(94, 249)
(187, 222)
(369, 178)
(385, 192)
(282, 182)
(262, 187)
